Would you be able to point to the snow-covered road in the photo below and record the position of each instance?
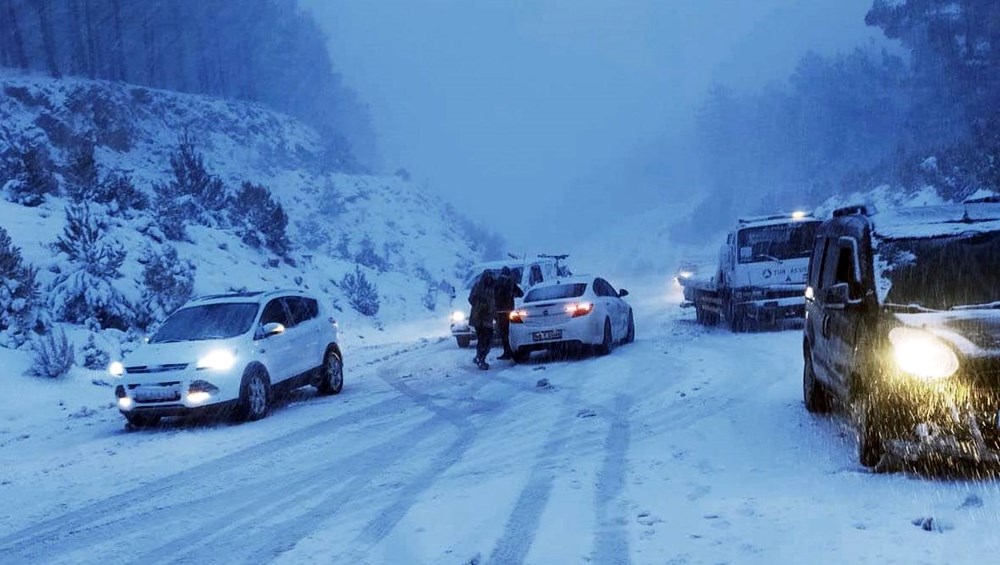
(690, 445)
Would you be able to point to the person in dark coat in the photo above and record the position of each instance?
(484, 312)
(506, 291)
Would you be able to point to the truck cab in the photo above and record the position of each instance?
(761, 274)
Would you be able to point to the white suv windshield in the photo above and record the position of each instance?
(209, 321)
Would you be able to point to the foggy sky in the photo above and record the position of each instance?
(537, 117)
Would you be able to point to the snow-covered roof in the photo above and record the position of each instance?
(936, 221)
(777, 220)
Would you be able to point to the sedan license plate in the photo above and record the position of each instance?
(548, 335)
(155, 394)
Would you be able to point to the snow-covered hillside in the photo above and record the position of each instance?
(419, 243)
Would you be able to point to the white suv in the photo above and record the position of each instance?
(230, 353)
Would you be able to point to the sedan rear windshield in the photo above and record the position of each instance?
(556, 292)
(210, 321)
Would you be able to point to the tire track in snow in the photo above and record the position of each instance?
(389, 517)
(281, 537)
(522, 524)
(611, 539)
(97, 522)
(108, 512)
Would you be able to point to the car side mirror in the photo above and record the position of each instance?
(273, 328)
(622, 293)
(837, 296)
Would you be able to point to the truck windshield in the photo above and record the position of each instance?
(941, 273)
(777, 242)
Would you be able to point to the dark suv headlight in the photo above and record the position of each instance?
(923, 355)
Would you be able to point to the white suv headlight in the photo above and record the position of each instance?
(218, 360)
(116, 369)
(921, 354)
(458, 316)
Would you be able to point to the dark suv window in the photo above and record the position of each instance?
(275, 312)
(816, 262)
(301, 309)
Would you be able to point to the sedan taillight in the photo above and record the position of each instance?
(518, 316)
(579, 309)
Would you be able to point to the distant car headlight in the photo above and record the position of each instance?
(921, 354)
(685, 274)
(116, 369)
(218, 360)
(457, 317)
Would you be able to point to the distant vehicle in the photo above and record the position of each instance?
(526, 272)
(903, 329)
(761, 273)
(571, 311)
(230, 352)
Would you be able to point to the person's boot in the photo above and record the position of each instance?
(483, 365)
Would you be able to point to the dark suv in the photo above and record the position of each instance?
(903, 329)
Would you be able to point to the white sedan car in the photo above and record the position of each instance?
(580, 310)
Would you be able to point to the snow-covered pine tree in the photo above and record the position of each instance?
(95, 358)
(120, 194)
(362, 294)
(167, 283)
(369, 258)
(191, 177)
(172, 209)
(81, 175)
(32, 180)
(87, 292)
(260, 221)
(19, 297)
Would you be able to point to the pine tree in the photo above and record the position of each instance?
(167, 282)
(19, 296)
(81, 176)
(362, 294)
(33, 180)
(87, 292)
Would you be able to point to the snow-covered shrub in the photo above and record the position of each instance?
(167, 283)
(87, 291)
(120, 194)
(95, 358)
(369, 258)
(429, 299)
(259, 219)
(19, 297)
(172, 211)
(30, 175)
(343, 247)
(54, 355)
(81, 175)
(191, 178)
(362, 295)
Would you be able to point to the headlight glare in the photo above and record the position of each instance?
(458, 316)
(218, 360)
(116, 369)
(921, 354)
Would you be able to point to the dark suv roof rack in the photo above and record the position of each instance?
(854, 210)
